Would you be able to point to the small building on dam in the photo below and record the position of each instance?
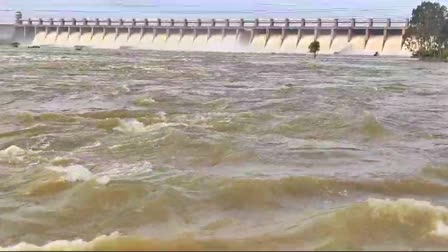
(336, 36)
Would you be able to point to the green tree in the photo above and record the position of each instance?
(314, 48)
(427, 34)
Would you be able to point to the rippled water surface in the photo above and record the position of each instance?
(158, 150)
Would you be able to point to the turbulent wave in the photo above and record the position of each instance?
(14, 154)
(436, 171)
(330, 126)
(237, 152)
(255, 193)
(383, 224)
(310, 126)
(61, 179)
(46, 117)
(242, 194)
(76, 173)
(134, 126)
(374, 224)
(144, 102)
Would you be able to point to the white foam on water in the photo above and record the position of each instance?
(74, 173)
(441, 230)
(162, 115)
(63, 245)
(12, 151)
(134, 126)
(409, 210)
(79, 173)
(94, 145)
(145, 101)
(130, 126)
(127, 171)
(103, 180)
(411, 203)
(123, 89)
(15, 154)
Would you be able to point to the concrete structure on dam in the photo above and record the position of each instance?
(336, 36)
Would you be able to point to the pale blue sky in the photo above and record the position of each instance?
(209, 8)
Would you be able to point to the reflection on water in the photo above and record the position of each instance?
(157, 150)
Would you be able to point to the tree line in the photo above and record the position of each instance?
(427, 35)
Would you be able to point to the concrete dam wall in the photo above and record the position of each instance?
(7, 33)
(262, 36)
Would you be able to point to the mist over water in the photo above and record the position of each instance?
(128, 149)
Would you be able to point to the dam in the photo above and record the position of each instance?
(336, 36)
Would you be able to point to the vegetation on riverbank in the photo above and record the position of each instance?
(314, 48)
(427, 35)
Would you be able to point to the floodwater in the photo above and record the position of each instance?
(118, 149)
